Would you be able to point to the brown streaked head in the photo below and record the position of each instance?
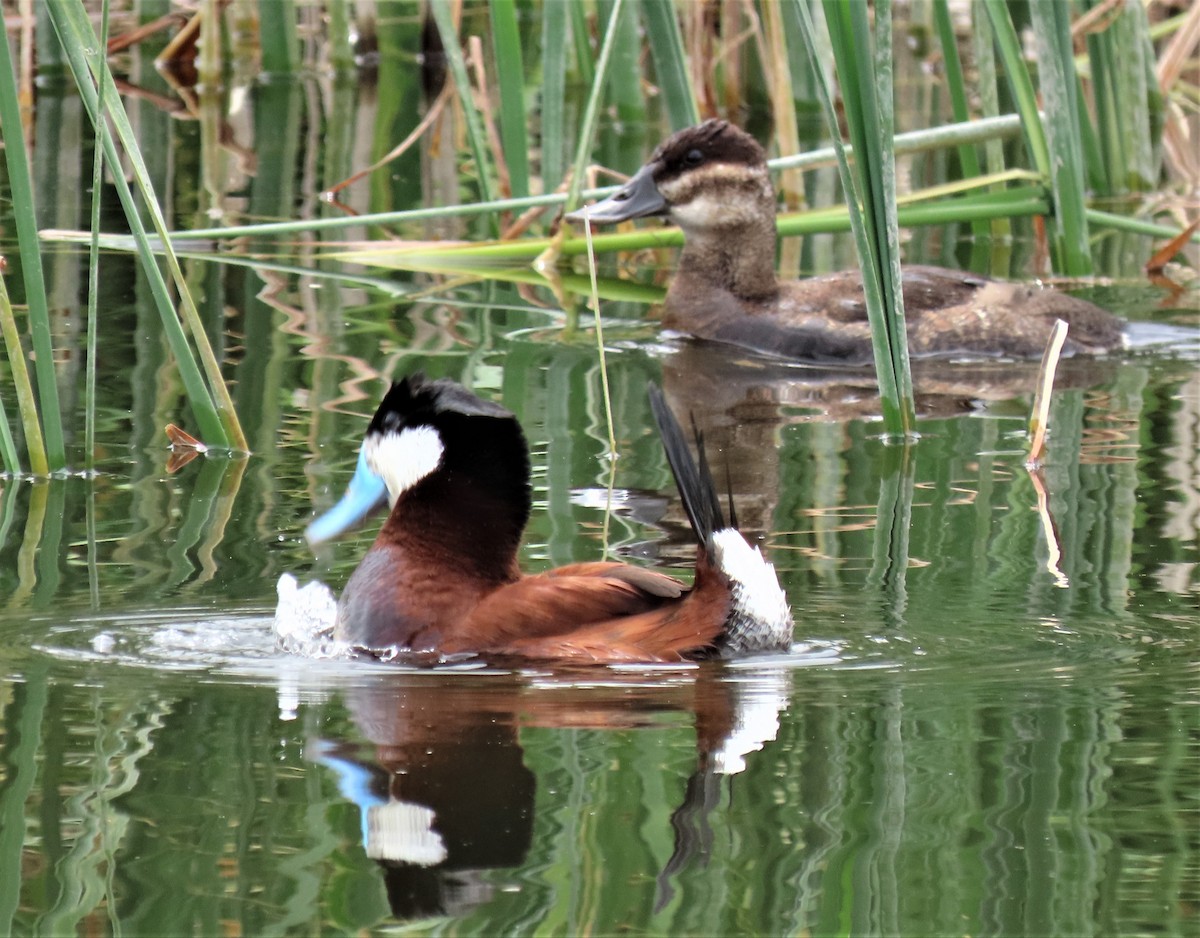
(711, 176)
(714, 141)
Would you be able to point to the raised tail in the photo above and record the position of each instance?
(693, 479)
(759, 618)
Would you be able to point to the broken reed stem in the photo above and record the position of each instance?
(1040, 416)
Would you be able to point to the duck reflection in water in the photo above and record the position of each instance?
(445, 793)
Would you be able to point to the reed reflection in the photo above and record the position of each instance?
(807, 473)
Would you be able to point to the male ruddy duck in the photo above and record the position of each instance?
(442, 575)
(712, 181)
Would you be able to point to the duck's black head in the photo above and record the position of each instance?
(709, 177)
(455, 461)
(436, 427)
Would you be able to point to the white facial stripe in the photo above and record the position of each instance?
(724, 209)
(712, 176)
(720, 195)
(732, 172)
(403, 459)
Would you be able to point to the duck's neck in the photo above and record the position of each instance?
(460, 521)
(737, 258)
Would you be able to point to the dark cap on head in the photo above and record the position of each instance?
(714, 141)
(416, 399)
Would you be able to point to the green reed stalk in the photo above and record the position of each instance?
(217, 420)
(1013, 202)
(1127, 101)
(1020, 83)
(555, 26)
(339, 30)
(443, 17)
(955, 81)
(880, 133)
(1093, 156)
(1060, 98)
(8, 448)
(277, 36)
(510, 77)
(591, 110)
(670, 63)
(624, 92)
(583, 51)
(26, 405)
(587, 131)
(25, 219)
(93, 300)
(1134, 225)
(987, 87)
(865, 78)
(1054, 147)
(988, 90)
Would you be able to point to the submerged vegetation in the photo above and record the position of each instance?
(1100, 117)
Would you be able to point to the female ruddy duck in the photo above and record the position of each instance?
(712, 181)
(442, 575)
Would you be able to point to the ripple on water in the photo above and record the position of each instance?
(169, 640)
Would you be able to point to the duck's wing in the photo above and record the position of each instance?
(649, 581)
(565, 599)
(839, 296)
(946, 311)
(822, 318)
(601, 613)
(595, 611)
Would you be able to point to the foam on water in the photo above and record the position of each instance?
(304, 619)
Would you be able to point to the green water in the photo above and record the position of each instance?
(988, 724)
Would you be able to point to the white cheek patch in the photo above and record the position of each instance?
(713, 176)
(721, 195)
(403, 459)
(703, 211)
(731, 208)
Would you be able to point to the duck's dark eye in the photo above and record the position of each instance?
(694, 158)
